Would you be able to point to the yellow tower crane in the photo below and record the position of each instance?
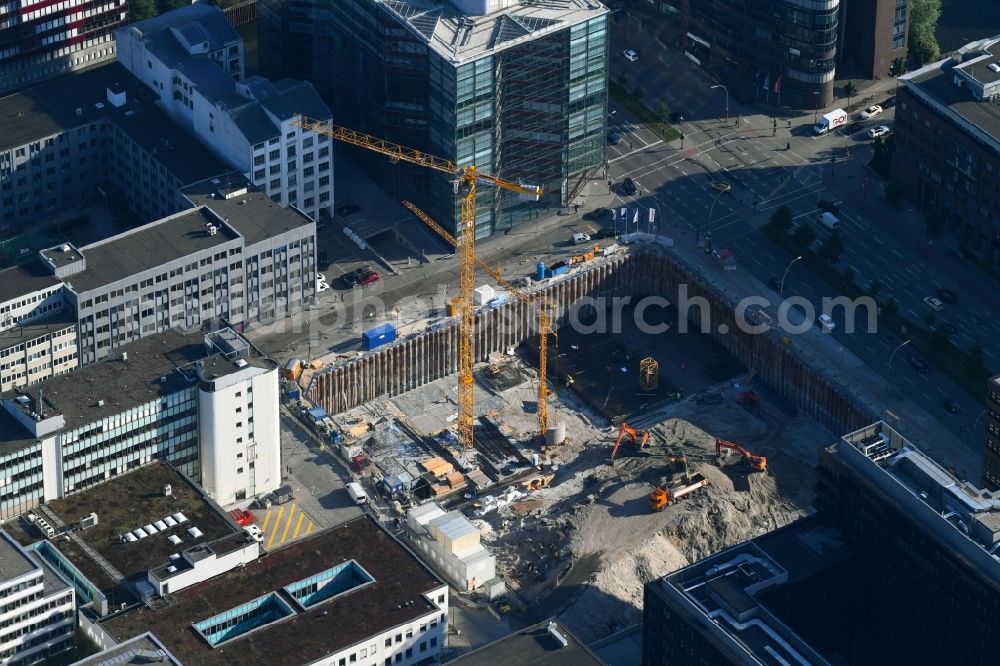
(543, 305)
(466, 178)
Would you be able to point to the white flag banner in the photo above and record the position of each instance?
(652, 215)
(614, 214)
(635, 218)
(624, 213)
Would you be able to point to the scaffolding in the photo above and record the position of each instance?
(649, 374)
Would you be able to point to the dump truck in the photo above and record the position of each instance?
(664, 495)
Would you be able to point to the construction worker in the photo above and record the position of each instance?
(788, 145)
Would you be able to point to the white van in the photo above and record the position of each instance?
(826, 323)
(581, 238)
(828, 220)
(357, 493)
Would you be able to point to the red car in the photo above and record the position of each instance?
(369, 277)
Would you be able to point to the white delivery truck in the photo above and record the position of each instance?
(829, 121)
(357, 493)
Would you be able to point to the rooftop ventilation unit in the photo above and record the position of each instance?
(64, 247)
(241, 363)
(554, 630)
(995, 67)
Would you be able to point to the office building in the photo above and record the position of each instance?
(991, 454)
(93, 137)
(193, 59)
(208, 404)
(873, 34)
(450, 542)
(946, 143)
(516, 88)
(37, 607)
(37, 327)
(781, 52)
(139, 651)
(894, 535)
(40, 40)
(549, 642)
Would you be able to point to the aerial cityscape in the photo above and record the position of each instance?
(474, 332)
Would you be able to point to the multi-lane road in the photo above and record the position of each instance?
(790, 166)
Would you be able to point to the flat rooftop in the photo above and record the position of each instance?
(148, 247)
(533, 645)
(307, 635)
(28, 278)
(13, 562)
(34, 328)
(135, 500)
(248, 210)
(460, 37)
(80, 99)
(141, 650)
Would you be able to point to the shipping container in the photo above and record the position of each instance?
(293, 369)
(378, 336)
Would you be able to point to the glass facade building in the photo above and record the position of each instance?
(519, 92)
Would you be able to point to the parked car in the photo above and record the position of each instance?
(630, 54)
(254, 532)
(323, 261)
(951, 406)
(889, 103)
(352, 278)
(369, 277)
(629, 187)
(826, 323)
(614, 137)
(597, 214)
(871, 112)
(876, 132)
(348, 209)
(918, 364)
(321, 286)
(947, 296)
(933, 303)
(721, 186)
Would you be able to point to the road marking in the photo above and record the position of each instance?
(592, 229)
(277, 524)
(298, 525)
(910, 380)
(284, 535)
(895, 252)
(926, 396)
(942, 391)
(267, 518)
(633, 152)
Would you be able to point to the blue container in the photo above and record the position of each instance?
(558, 268)
(378, 336)
(540, 270)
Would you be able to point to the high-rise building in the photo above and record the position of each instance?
(192, 58)
(946, 144)
(873, 34)
(991, 453)
(899, 566)
(779, 51)
(516, 88)
(39, 40)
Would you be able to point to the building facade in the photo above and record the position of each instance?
(37, 328)
(193, 59)
(781, 52)
(40, 40)
(517, 89)
(873, 34)
(946, 145)
(450, 542)
(991, 452)
(207, 404)
(37, 607)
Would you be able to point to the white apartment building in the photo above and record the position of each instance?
(37, 607)
(192, 58)
(37, 328)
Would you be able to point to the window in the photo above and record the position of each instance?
(399, 638)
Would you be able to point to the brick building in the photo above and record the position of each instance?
(873, 35)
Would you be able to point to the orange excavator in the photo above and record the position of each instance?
(756, 463)
(640, 440)
(663, 495)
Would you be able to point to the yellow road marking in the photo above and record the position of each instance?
(277, 524)
(298, 525)
(284, 535)
(267, 519)
(310, 528)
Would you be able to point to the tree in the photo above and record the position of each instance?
(924, 16)
(929, 318)
(140, 10)
(893, 195)
(638, 92)
(850, 90)
(622, 79)
(848, 275)
(803, 236)
(664, 111)
(890, 308)
(832, 247)
(898, 67)
(782, 218)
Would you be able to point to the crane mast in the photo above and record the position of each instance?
(466, 178)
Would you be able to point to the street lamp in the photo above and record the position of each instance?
(712, 209)
(725, 90)
(781, 287)
(896, 350)
(816, 112)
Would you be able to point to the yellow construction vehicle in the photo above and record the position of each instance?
(537, 482)
(543, 305)
(466, 179)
